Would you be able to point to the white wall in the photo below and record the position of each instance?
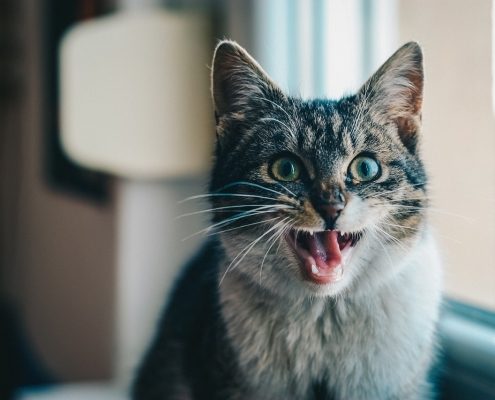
(459, 136)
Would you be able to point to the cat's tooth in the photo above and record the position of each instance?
(314, 269)
(339, 271)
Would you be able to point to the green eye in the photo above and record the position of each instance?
(364, 169)
(286, 169)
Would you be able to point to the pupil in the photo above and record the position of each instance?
(287, 168)
(365, 168)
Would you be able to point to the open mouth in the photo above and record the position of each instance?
(323, 254)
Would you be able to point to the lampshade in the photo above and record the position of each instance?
(134, 89)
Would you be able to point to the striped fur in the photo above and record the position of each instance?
(277, 335)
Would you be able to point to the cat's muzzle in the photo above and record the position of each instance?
(324, 254)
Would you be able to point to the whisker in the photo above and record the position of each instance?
(393, 238)
(397, 206)
(253, 196)
(252, 185)
(276, 236)
(243, 226)
(400, 226)
(287, 189)
(377, 239)
(418, 230)
(246, 250)
(244, 214)
(228, 221)
(233, 207)
(287, 228)
(377, 195)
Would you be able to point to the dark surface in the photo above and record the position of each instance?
(19, 365)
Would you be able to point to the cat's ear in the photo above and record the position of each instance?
(237, 78)
(395, 93)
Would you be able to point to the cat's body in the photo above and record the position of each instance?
(329, 288)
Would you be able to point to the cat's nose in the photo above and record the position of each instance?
(329, 204)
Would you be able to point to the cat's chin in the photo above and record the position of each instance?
(323, 255)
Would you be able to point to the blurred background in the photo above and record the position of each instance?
(106, 125)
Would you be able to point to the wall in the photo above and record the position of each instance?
(62, 273)
(459, 136)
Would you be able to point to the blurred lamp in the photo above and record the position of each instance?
(135, 103)
(135, 94)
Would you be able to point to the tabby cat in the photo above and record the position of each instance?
(322, 279)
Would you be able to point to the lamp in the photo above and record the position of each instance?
(135, 94)
(135, 104)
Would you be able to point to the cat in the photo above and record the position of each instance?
(322, 280)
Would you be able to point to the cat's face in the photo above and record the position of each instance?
(316, 197)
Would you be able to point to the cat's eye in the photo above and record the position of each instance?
(364, 169)
(286, 169)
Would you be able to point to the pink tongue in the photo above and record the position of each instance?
(324, 248)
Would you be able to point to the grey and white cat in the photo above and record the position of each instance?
(323, 281)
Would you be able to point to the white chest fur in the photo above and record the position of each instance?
(376, 346)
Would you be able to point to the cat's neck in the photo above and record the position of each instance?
(239, 296)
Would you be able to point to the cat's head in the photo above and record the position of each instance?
(316, 197)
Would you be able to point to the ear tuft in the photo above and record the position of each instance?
(236, 78)
(395, 92)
